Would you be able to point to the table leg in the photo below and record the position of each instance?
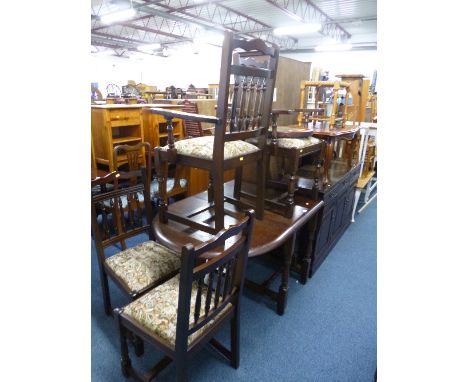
(307, 246)
(288, 249)
(357, 195)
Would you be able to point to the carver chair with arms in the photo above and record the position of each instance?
(116, 216)
(182, 315)
(241, 123)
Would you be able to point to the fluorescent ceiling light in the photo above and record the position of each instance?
(118, 16)
(149, 47)
(333, 47)
(297, 29)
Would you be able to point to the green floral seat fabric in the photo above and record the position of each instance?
(297, 143)
(144, 264)
(202, 147)
(157, 310)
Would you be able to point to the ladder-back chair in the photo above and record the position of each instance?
(116, 216)
(241, 123)
(182, 315)
(289, 146)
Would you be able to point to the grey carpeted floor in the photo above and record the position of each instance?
(328, 332)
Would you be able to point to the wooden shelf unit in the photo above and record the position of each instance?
(119, 124)
(155, 127)
(112, 125)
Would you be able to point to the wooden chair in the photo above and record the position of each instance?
(117, 215)
(139, 155)
(251, 96)
(289, 146)
(182, 315)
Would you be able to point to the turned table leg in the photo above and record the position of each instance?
(288, 249)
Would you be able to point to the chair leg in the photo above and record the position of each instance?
(125, 362)
(210, 188)
(105, 293)
(139, 346)
(238, 183)
(162, 168)
(235, 331)
(260, 189)
(181, 370)
(292, 185)
(218, 191)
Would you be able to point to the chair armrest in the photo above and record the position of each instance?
(185, 116)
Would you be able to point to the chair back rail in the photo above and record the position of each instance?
(120, 213)
(136, 156)
(247, 79)
(218, 280)
(246, 90)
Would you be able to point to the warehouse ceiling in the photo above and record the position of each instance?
(172, 23)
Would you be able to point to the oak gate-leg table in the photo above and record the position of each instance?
(272, 232)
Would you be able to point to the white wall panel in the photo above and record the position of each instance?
(179, 69)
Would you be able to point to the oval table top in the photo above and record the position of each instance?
(269, 233)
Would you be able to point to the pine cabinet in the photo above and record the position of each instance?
(155, 126)
(117, 124)
(113, 125)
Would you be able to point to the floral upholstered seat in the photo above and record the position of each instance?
(157, 310)
(202, 147)
(297, 143)
(143, 264)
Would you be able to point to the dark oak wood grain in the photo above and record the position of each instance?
(222, 295)
(273, 231)
(289, 158)
(117, 214)
(330, 136)
(247, 80)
